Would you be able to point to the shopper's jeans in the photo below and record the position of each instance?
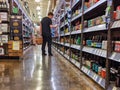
(46, 39)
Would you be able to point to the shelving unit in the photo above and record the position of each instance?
(87, 40)
(16, 30)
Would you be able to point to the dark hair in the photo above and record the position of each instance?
(50, 13)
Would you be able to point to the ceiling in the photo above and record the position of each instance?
(45, 7)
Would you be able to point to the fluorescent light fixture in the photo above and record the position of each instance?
(48, 6)
(37, 0)
(38, 8)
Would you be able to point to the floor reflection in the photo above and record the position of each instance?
(37, 72)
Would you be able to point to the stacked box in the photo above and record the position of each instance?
(15, 48)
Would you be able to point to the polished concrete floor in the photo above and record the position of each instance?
(36, 72)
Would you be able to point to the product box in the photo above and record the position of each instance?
(39, 40)
(15, 48)
(3, 27)
(3, 16)
(1, 51)
(14, 51)
(4, 39)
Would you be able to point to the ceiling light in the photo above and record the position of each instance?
(39, 13)
(37, 0)
(39, 17)
(38, 8)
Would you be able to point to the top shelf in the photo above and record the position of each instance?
(22, 9)
(89, 13)
(97, 5)
(63, 16)
(75, 4)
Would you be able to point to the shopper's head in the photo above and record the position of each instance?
(50, 15)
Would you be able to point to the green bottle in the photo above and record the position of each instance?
(78, 40)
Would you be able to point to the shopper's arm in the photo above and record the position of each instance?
(53, 26)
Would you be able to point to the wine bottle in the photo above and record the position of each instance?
(92, 44)
(95, 41)
(99, 44)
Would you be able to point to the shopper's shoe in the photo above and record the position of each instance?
(51, 54)
(44, 54)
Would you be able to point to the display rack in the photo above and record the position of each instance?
(91, 44)
(16, 30)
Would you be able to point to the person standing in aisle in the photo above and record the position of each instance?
(45, 30)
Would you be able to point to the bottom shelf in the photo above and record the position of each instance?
(91, 74)
(88, 72)
(66, 56)
(94, 76)
(9, 57)
(76, 63)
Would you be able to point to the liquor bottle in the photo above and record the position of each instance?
(96, 41)
(99, 44)
(93, 41)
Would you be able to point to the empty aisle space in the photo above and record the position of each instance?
(37, 72)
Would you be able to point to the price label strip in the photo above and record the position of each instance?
(96, 77)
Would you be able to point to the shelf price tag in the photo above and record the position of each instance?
(100, 80)
(98, 52)
(88, 72)
(96, 77)
(113, 55)
(91, 74)
(77, 64)
(101, 53)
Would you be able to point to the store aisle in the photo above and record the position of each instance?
(42, 73)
